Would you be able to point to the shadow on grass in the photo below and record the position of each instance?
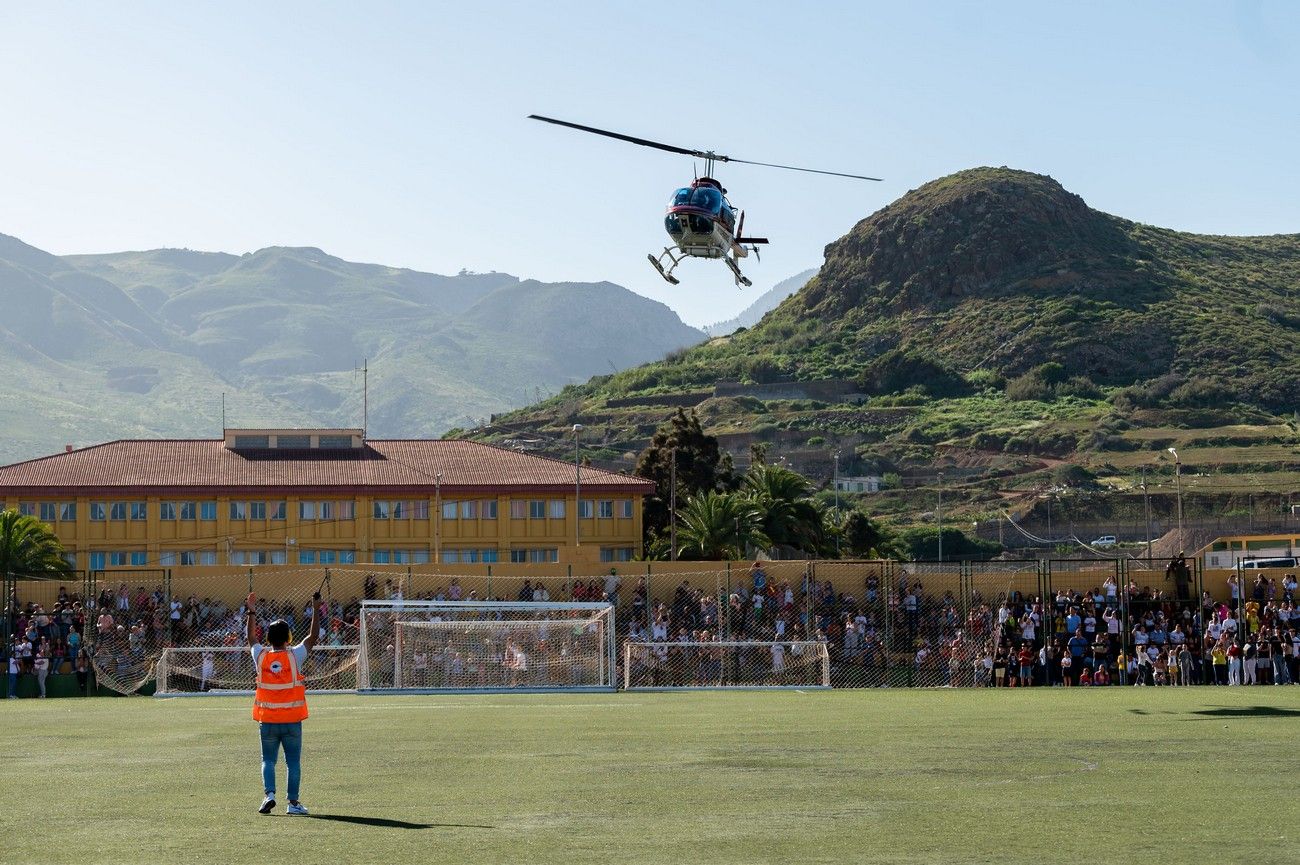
(1247, 712)
(384, 822)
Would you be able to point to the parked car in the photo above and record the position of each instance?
(1282, 562)
(1104, 541)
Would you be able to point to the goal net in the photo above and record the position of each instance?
(726, 664)
(229, 670)
(432, 646)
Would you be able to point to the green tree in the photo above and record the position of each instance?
(790, 516)
(715, 525)
(701, 467)
(865, 538)
(28, 548)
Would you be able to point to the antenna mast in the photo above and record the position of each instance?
(365, 397)
(223, 413)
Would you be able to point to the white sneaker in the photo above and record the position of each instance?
(267, 804)
(296, 808)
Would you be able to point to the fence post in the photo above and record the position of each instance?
(167, 593)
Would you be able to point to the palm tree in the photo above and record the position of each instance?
(790, 516)
(717, 525)
(29, 549)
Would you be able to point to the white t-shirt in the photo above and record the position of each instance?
(13, 665)
(176, 611)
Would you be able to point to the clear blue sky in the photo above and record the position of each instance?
(395, 132)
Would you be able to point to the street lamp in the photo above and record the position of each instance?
(837, 501)
(1178, 480)
(577, 484)
(939, 512)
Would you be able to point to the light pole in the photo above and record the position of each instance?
(288, 542)
(1146, 509)
(577, 484)
(437, 518)
(1178, 480)
(672, 506)
(837, 501)
(939, 512)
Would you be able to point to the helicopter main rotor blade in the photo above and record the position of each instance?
(633, 140)
(795, 168)
(699, 154)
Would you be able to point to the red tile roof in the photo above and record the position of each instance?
(141, 466)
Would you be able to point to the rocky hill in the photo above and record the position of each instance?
(144, 343)
(991, 325)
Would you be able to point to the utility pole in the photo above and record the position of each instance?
(577, 484)
(1146, 508)
(939, 513)
(837, 501)
(1178, 480)
(672, 506)
(437, 518)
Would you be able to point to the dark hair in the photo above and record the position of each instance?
(278, 632)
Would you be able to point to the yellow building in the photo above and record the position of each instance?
(1252, 551)
(323, 497)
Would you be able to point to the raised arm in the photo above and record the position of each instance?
(314, 633)
(250, 619)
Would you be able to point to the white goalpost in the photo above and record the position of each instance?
(425, 647)
(215, 670)
(741, 664)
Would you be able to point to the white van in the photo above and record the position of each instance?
(1104, 541)
(1256, 564)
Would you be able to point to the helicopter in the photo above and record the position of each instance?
(700, 220)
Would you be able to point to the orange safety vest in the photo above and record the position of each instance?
(281, 696)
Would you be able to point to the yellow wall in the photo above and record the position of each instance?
(363, 534)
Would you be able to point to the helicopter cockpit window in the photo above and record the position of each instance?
(681, 197)
(674, 225)
(699, 224)
(706, 198)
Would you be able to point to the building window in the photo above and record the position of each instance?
(293, 442)
(381, 557)
(450, 556)
(27, 509)
(98, 513)
(616, 554)
(449, 510)
(328, 510)
(98, 561)
(334, 442)
(278, 510)
(518, 556)
(117, 512)
(306, 510)
(207, 510)
(625, 509)
(489, 556)
(139, 511)
(544, 555)
(537, 509)
(67, 512)
(557, 509)
(239, 510)
(116, 560)
(139, 558)
(252, 442)
(419, 509)
(257, 510)
(469, 555)
(518, 509)
(306, 557)
(489, 510)
(469, 510)
(167, 511)
(586, 508)
(167, 559)
(347, 557)
(380, 510)
(49, 512)
(188, 510)
(71, 559)
(606, 510)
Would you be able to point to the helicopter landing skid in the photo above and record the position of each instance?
(658, 264)
(741, 279)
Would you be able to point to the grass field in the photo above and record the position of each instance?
(1105, 775)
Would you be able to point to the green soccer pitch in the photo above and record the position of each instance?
(1081, 775)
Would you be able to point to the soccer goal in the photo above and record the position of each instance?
(213, 670)
(485, 646)
(726, 664)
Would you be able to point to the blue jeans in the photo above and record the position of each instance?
(13, 685)
(290, 736)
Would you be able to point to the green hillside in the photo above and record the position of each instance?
(145, 343)
(993, 326)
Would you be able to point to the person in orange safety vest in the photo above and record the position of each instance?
(280, 702)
